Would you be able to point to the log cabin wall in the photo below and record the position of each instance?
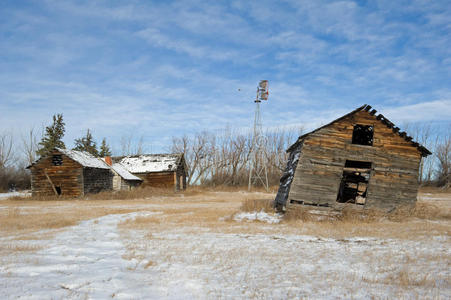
(394, 165)
(158, 179)
(68, 177)
(96, 180)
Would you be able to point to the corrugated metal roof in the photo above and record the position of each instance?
(148, 163)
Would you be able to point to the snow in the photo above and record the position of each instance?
(85, 159)
(122, 171)
(258, 216)
(150, 163)
(14, 194)
(92, 261)
(85, 261)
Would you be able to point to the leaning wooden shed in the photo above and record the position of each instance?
(360, 158)
(69, 173)
(157, 170)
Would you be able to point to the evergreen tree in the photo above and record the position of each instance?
(52, 137)
(104, 149)
(87, 144)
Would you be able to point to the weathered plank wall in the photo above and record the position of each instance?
(158, 179)
(394, 172)
(127, 185)
(68, 176)
(96, 180)
(181, 177)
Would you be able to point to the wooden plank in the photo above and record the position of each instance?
(51, 183)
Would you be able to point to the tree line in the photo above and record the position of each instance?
(213, 158)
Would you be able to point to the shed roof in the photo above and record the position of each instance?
(148, 163)
(85, 159)
(380, 117)
(122, 171)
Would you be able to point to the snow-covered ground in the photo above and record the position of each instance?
(14, 194)
(102, 258)
(82, 262)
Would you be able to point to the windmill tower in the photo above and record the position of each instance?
(258, 173)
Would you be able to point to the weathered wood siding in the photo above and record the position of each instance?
(395, 163)
(96, 180)
(68, 176)
(181, 177)
(158, 179)
(127, 185)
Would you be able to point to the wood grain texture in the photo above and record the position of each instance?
(394, 172)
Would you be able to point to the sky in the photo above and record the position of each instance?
(161, 69)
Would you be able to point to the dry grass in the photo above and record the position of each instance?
(250, 205)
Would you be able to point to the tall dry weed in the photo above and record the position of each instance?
(251, 205)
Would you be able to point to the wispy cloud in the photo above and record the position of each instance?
(162, 69)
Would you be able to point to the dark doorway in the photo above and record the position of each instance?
(58, 190)
(354, 182)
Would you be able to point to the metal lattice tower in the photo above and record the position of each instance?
(258, 173)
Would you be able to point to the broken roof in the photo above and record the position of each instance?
(122, 171)
(83, 158)
(148, 163)
(381, 118)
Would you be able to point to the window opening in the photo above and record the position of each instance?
(363, 135)
(354, 183)
(57, 160)
(358, 164)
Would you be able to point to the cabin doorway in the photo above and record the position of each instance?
(58, 190)
(354, 182)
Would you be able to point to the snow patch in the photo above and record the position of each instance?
(14, 194)
(258, 216)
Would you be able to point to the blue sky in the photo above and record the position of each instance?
(159, 69)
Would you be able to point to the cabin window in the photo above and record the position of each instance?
(354, 182)
(57, 160)
(363, 135)
(358, 164)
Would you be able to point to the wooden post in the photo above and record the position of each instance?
(51, 183)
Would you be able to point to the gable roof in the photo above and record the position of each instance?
(424, 152)
(85, 159)
(148, 163)
(122, 171)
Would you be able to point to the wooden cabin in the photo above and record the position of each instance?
(69, 173)
(123, 180)
(156, 170)
(361, 159)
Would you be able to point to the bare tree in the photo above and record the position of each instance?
(443, 154)
(130, 147)
(6, 147)
(223, 158)
(30, 145)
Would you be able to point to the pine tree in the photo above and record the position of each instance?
(87, 144)
(52, 137)
(104, 149)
